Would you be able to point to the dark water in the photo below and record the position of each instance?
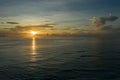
(60, 59)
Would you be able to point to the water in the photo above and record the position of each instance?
(59, 59)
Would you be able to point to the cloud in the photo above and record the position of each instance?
(2, 22)
(32, 27)
(110, 28)
(106, 29)
(101, 21)
(40, 26)
(98, 22)
(3, 17)
(111, 18)
(12, 22)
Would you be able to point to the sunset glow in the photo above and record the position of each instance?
(33, 32)
(60, 39)
(59, 18)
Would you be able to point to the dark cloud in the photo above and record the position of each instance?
(101, 21)
(12, 22)
(110, 28)
(98, 22)
(101, 25)
(111, 18)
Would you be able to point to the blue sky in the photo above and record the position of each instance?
(63, 13)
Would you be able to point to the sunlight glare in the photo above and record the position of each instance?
(33, 32)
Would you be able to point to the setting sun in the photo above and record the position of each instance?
(33, 32)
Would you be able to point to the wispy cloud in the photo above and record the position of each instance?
(12, 22)
(32, 27)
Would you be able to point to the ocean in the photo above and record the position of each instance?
(84, 58)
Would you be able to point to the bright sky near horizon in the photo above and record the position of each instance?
(54, 15)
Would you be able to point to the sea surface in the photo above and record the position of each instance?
(60, 59)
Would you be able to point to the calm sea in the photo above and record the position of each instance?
(59, 59)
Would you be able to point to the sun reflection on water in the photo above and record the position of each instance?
(33, 57)
(33, 46)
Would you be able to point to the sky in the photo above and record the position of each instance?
(58, 16)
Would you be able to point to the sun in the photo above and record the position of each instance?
(33, 32)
